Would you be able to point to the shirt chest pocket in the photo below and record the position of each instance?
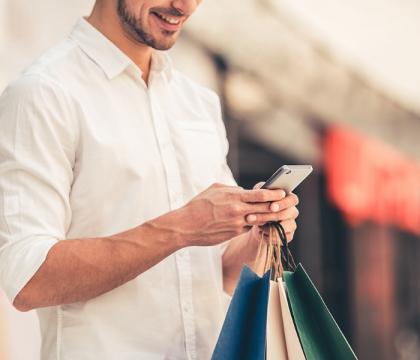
(203, 154)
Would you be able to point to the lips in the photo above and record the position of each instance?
(167, 22)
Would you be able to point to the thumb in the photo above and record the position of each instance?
(258, 186)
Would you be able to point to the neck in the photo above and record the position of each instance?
(106, 20)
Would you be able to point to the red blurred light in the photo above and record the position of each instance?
(369, 180)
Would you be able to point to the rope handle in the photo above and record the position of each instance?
(276, 253)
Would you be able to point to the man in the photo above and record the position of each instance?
(110, 225)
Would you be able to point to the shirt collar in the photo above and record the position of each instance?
(109, 57)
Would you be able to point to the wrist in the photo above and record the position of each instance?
(251, 247)
(169, 228)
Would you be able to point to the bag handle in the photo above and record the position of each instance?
(267, 248)
(286, 255)
(276, 253)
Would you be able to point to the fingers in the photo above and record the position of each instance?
(257, 208)
(258, 185)
(261, 195)
(276, 206)
(290, 213)
(220, 186)
(289, 236)
(285, 208)
(261, 219)
(289, 201)
(243, 208)
(289, 227)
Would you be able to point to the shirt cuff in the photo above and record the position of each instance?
(20, 260)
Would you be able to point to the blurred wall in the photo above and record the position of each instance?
(28, 28)
(378, 37)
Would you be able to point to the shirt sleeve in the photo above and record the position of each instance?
(37, 153)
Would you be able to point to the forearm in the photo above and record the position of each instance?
(241, 250)
(81, 269)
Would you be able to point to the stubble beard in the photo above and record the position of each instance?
(136, 30)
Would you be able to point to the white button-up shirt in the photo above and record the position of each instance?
(88, 150)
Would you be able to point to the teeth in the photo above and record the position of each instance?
(169, 20)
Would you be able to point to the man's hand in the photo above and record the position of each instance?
(243, 249)
(285, 211)
(223, 212)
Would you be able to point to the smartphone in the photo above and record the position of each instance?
(288, 177)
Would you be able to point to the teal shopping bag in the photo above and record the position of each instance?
(243, 334)
(319, 334)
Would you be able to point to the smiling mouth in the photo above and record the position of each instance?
(168, 19)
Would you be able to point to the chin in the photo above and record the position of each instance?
(163, 44)
(163, 47)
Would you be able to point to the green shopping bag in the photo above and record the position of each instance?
(319, 334)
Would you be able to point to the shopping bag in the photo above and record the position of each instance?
(319, 334)
(243, 333)
(282, 339)
(246, 334)
(276, 340)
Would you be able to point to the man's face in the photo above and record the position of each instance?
(156, 23)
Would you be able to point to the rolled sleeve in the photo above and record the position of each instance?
(37, 143)
(19, 262)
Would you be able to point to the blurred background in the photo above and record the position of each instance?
(321, 82)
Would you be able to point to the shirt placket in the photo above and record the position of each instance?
(175, 194)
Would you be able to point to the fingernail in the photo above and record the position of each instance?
(275, 207)
(252, 218)
(283, 194)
